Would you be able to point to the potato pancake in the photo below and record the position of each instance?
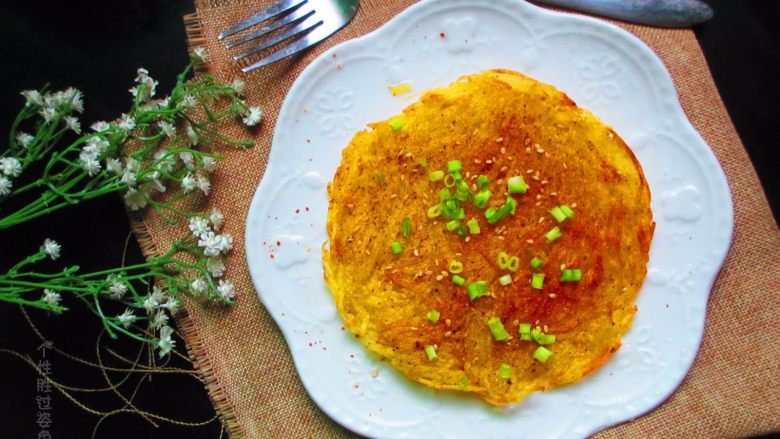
(491, 238)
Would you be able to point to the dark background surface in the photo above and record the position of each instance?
(97, 46)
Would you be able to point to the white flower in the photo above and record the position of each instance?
(91, 165)
(199, 225)
(167, 128)
(48, 114)
(98, 143)
(253, 116)
(154, 179)
(113, 166)
(204, 184)
(118, 289)
(33, 97)
(100, 126)
(75, 98)
(52, 248)
(188, 183)
(72, 124)
(211, 243)
(165, 344)
(10, 166)
(159, 319)
(216, 218)
(199, 54)
(215, 266)
(226, 290)
(129, 177)
(5, 186)
(199, 286)
(226, 242)
(192, 136)
(146, 87)
(162, 103)
(51, 297)
(159, 295)
(150, 304)
(135, 199)
(209, 164)
(171, 304)
(126, 122)
(126, 318)
(24, 139)
(238, 86)
(188, 101)
(187, 158)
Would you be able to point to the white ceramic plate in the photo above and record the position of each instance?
(601, 67)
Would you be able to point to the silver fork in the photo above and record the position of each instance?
(310, 20)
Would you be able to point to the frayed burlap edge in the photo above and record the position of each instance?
(186, 326)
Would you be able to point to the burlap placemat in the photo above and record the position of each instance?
(731, 390)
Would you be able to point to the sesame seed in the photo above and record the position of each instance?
(413, 328)
(504, 169)
(500, 139)
(527, 149)
(488, 161)
(527, 141)
(501, 238)
(530, 241)
(552, 295)
(545, 328)
(541, 220)
(368, 252)
(416, 253)
(468, 238)
(563, 266)
(428, 272)
(408, 155)
(374, 373)
(445, 274)
(439, 277)
(447, 322)
(538, 203)
(536, 323)
(554, 194)
(544, 181)
(448, 333)
(538, 196)
(393, 196)
(516, 322)
(573, 204)
(564, 166)
(529, 171)
(477, 161)
(503, 150)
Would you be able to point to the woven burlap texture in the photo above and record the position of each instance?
(730, 391)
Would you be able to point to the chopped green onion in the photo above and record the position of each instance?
(436, 175)
(505, 371)
(553, 234)
(542, 354)
(503, 260)
(430, 351)
(558, 214)
(482, 182)
(396, 124)
(455, 267)
(505, 280)
(424, 164)
(449, 180)
(396, 248)
(546, 339)
(463, 383)
(536, 263)
(524, 328)
(433, 315)
(525, 336)
(444, 194)
(473, 226)
(406, 227)
(482, 198)
(512, 204)
(453, 225)
(497, 329)
(460, 213)
(571, 275)
(567, 211)
(434, 211)
(457, 280)
(537, 281)
(454, 166)
(463, 192)
(477, 289)
(493, 216)
(516, 185)
(513, 264)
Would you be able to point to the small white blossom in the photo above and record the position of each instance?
(72, 124)
(126, 318)
(135, 199)
(33, 97)
(226, 290)
(118, 289)
(146, 88)
(51, 297)
(5, 186)
(159, 319)
(238, 86)
(129, 177)
(199, 286)
(167, 128)
(199, 54)
(150, 304)
(188, 183)
(192, 136)
(166, 344)
(163, 103)
(154, 179)
(171, 304)
(187, 102)
(199, 225)
(99, 144)
(188, 160)
(113, 166)
(209, 164)
(52, 248)
(10, 166)
(253, 116)
(48, 113)
(89, 164)
(217, 219)
(100, 126)
(126, 122)
(211, 243)
(159, 295)
(226, 242)
(75, 98)
(204, 184)
(24, 139)
(215, 266)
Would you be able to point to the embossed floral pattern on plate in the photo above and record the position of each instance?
(603, 69)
